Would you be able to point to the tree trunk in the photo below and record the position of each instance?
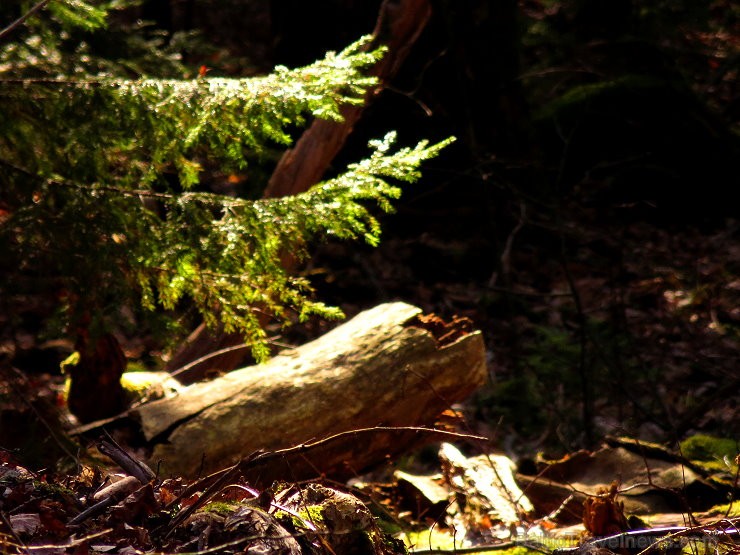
(389, 366)
(399, 25)
(95, 390)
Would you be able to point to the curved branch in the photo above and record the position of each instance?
(18, 22)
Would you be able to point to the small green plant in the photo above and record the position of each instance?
(714, 453)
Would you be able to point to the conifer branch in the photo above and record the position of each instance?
(82, 154)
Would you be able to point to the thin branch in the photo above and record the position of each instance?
(506, 254)
(18, 22)
(89, 188)
(110, 189)
(210, 491)
(520, 293)
(586, 373)
(265, 456)
(13, 533)
(308, 446)
(45, 548)
(209, 356)
(527, 544)
(122, 458)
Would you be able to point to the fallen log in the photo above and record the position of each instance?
(389, 366)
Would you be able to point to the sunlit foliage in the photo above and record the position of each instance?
(102, 199)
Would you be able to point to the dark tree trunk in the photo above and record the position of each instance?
(95, 390)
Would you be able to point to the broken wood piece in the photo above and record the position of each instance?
(118, 489)
(381, 368)
(488, 484)
(135, 468)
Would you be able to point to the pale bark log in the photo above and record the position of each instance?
(382, 368)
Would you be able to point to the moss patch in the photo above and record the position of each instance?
(713, 453)
(732, 510)
(221, 508)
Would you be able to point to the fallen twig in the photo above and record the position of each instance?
(641, 541)
(483, 548)
(135, 468)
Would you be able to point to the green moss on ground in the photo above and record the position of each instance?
(711, 452)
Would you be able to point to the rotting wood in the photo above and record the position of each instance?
(378, 369)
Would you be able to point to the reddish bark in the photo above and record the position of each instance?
(95, 390)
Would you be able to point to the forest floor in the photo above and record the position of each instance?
(640, 319)
(629, 325)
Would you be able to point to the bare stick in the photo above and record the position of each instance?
(18, 22)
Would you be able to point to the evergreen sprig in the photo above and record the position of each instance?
(103, 201)
(221, 253)
(146, 129)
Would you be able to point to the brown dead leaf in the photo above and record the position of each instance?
(603, 515)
